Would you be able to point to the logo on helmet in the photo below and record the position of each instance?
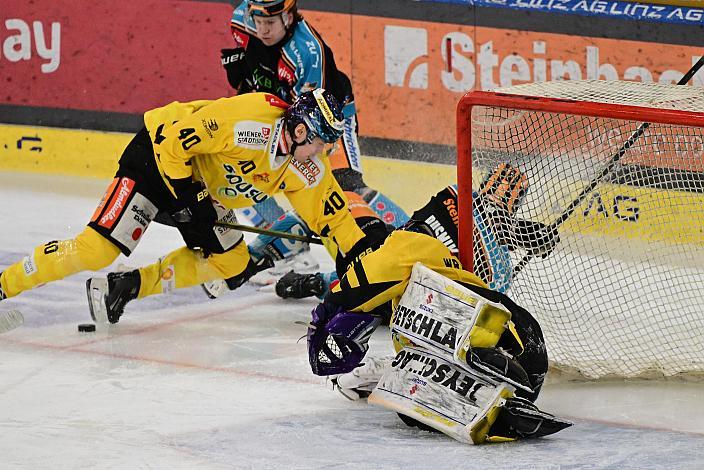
(325, 109)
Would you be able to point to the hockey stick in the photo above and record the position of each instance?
(10, 320)
(613, 161)
(271, 233)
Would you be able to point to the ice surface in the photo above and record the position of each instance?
(183, 382)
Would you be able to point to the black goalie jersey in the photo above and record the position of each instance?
(439, 218)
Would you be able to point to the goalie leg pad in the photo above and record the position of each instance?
(431, 389)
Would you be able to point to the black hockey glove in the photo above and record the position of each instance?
(536, 238)
(196, 218)
(235, 66)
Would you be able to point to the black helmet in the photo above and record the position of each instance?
(320, 112)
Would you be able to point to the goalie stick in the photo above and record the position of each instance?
(613, 161)
(10, 319)
(272, 233)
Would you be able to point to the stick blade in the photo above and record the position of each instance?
(10, 319)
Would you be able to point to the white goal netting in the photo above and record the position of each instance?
(622, 294)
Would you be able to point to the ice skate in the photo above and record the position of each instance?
(294, 285)
(107, 297)
(361, 381)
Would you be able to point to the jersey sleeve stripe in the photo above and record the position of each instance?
(288, 61)
(361, 275)
(321, 49)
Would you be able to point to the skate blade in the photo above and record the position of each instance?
(96, 289)
(214, 289)
(304, 263)
(10, 320)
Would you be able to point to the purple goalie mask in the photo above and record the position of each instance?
(338, 339)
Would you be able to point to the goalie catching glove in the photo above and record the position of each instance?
(536, 238)
(501, 194)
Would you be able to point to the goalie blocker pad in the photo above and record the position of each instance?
(444, 316)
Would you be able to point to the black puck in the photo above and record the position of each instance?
(86, 327)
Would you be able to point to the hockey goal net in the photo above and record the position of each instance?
(622, 294)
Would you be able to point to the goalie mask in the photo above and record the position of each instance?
(338, 339)
(506, 187)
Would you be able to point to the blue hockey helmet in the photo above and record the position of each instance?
(320, 112)
(270, 7)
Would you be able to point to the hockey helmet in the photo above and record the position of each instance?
(320, 112)
(506, 187)
(270, 7)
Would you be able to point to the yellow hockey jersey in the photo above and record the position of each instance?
(236, 147)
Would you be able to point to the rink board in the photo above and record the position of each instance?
(95, 154)
(611, 209)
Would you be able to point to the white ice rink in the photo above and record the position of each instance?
(183, 382)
